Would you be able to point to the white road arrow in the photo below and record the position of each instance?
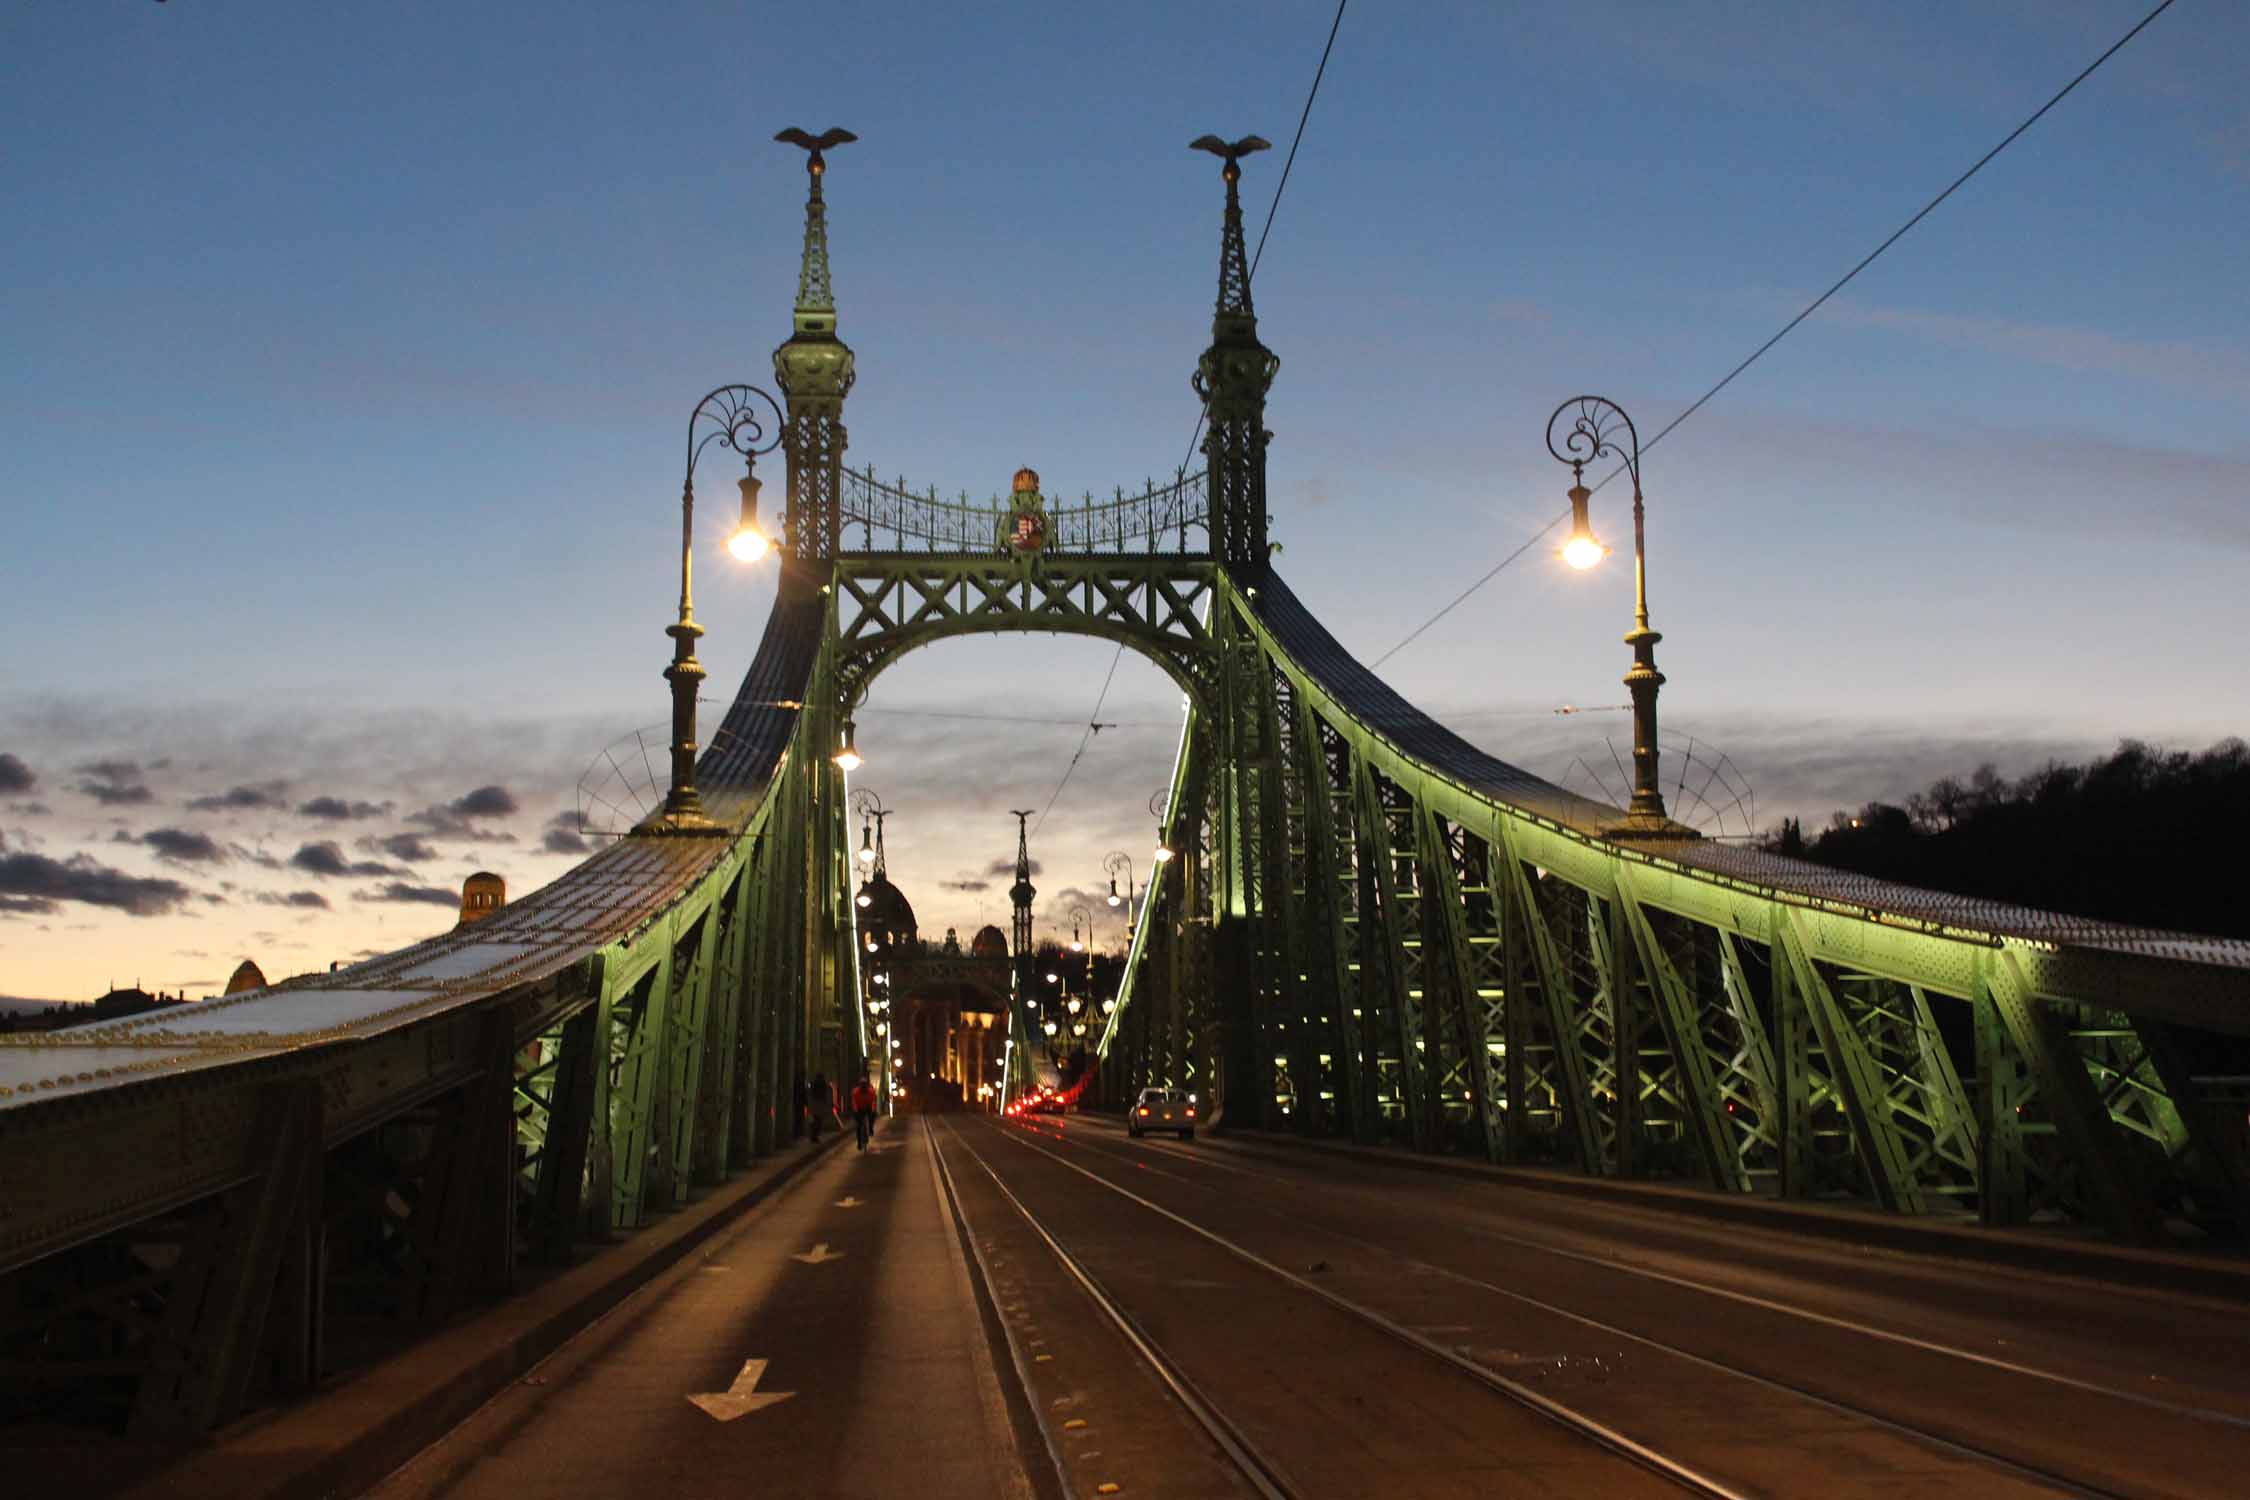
(818, 1255)
(847, 1201)
(743, 1397)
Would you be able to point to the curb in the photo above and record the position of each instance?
(2158, 1270)
(343, 1441)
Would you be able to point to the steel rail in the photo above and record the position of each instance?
(1594, 1430)
(1803, 1314)
(2062, 1483)
(1261, 1473)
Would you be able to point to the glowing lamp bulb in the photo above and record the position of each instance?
(748, 544)
(1582, 552)
(1162, 854)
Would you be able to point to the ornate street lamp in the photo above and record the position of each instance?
(1594, 428)
(849, 757)
(1079, 915)
(1158, 805)
(732, 414)
(1119, 860)
(871, 812)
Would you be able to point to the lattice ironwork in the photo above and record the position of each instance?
(890, 517)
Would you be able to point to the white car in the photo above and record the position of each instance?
(1162, 1109)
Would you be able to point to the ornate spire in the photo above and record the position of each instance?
(1234, 261)
(815, 371)
(1232, 378)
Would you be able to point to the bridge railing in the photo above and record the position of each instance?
(887, 516)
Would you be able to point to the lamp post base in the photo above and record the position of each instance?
(1637, 826)
(681, 825)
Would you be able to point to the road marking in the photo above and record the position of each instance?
(848, 1201)
(818, 1255)
(742, 1397)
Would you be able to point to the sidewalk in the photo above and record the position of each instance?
(344, 1440)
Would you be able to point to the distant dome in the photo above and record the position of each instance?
(247, 976)
(990, 942)
(482, 894)
(887, 917)
(1026, 482)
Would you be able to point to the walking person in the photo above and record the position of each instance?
(820, 1103)
(863, 1109)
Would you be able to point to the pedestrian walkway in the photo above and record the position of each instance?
(830, 1344)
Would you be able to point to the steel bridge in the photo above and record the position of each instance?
(1372, 931)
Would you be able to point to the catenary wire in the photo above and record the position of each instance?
(1275, 207)
(1810, 308)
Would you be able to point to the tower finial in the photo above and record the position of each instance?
(813, 292)
(1232, 378)
(815, 371)
(1234, 263)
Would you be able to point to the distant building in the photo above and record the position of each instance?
(247, 976)
(482, 894)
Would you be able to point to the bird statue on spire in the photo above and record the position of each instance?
(832, 137)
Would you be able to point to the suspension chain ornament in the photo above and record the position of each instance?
(1583, 429)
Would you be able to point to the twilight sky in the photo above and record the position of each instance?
(349, 348)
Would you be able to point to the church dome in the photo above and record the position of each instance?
(247, 976)
(887, 916)
(990, 942)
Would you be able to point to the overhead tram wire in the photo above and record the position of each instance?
(1789, 327)
(1093, 725)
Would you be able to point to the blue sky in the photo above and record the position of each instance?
(349, 349)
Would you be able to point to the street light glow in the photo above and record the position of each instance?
(748, 544)
(1162, 853)
(1582, 552)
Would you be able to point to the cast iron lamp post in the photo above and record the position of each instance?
(730, 414)
(1158, 805)
(1119, 860)
(1594, 428)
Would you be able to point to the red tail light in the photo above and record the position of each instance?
(1144, 1109)
(1191, 1111)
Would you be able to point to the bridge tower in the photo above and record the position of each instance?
(1232, 378)
(814, 369)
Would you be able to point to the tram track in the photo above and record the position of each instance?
(2043, 1477)
(1262, 1472)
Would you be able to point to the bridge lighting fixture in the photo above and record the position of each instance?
(1049, 1028)
(1162, 853)
(1583, 430)
(865, 899)
(1114, 898)
(1054, 979)
(849, 757)
(737, 415)
(1079, 1029)
(1072, 1005)
(866, 844)
(748, 543)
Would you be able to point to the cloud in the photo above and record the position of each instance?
(458, 819)
(2206, 369)
(407, 848)
(258, 857)
(263, 794)
(30, 809)
(327, 858)
(338, 810)
(563, 834)
(399, 890)
(36, 883)
(970, 887)
(184, 846)
(1008, 867)
(15, 776)
(27, 906)
(114, 783)
(292, 898)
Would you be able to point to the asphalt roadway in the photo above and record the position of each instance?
(978, 1308)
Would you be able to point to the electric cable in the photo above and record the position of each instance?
(1093, 727)
(1810, 308)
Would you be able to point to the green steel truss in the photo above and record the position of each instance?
(1355, 938)
(1400, 957)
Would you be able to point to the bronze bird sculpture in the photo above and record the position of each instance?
(1233, 152)
(835, 135)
